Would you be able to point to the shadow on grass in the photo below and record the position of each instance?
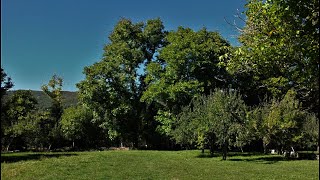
(205, 155)
(271, 159)
(230, 154)
(16, 157)
(265, 160)
(244, 154)
(254, 157)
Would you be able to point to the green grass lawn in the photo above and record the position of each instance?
(152, 165)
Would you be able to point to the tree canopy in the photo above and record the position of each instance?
(219, 118)
(6, 82)
(114, 85)
(280, 49)
(188, 66)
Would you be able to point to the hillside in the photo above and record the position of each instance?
(44, 102)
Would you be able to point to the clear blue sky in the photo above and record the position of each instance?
(40, 38)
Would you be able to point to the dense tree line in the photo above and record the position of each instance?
(183, 88)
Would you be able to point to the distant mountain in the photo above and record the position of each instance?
(44, 101)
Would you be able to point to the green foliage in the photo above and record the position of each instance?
(6, 83)
(220, 117)
(310, 132)
(113, 86)
(16, 111)
(192, 125)
(281, 123)
(187, 66)
(26, 126)
(165, 119)
(75, 123)
(279, 53)
(54, 90)
(39, 130)
(20, 104)
(279, 49)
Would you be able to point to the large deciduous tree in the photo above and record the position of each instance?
(189, 65)
(113, 86)
(280, 50)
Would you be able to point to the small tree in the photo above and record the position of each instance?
(191, 126)
(310, 132)
(54, 90)
(227, 113)
(74, 121)
(219, 118)
(38, 128)
(17, 110)
(282, 122)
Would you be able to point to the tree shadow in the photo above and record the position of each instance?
(264, 160)
(255, 157)
(244, 154)
(16, 157)
(271, 159)
(206, 155)
(230, 154)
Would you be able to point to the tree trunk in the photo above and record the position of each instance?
(211, 151)
(211, 145)
(279, 151)
(211, 148)
(202, 150)
(224, 151)
(73, 144)
(8, 146)
(265, 150)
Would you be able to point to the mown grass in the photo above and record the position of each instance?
(152, 165)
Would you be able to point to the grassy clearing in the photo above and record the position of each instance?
(152, 165)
